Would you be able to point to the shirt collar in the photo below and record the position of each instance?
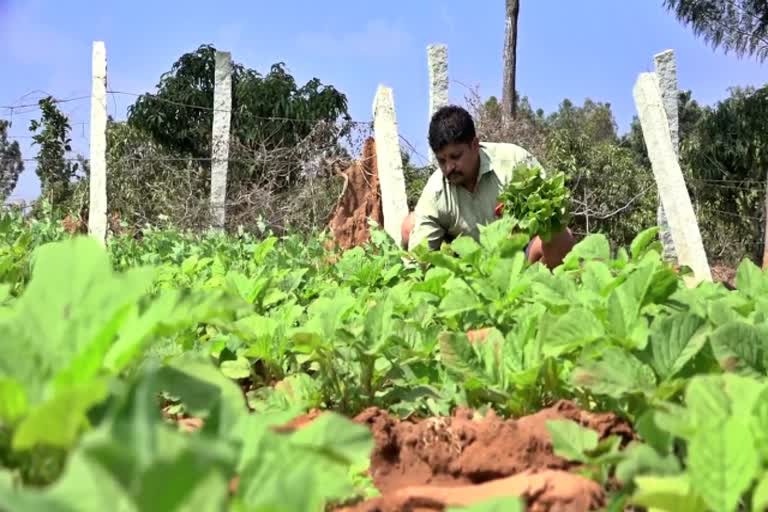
(485, 161)
(485, 164)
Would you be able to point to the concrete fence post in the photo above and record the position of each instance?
(97, 203)
(222, 119)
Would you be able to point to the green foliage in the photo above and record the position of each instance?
(728, 166)
(268, 111)
(738, 26)
(610, 192)
(217, 325)
(11, 163)
(55, 169)
(284, 138)
(538, 205)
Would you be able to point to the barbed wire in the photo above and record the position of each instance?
(36, 106)
(230, 111)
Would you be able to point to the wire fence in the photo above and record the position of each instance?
(298, 186)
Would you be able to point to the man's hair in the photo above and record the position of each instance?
(450, 125)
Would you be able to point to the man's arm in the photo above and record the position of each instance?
(426, 227)
(426, 222)
(552, 253)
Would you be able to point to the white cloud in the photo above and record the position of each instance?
(379, 38)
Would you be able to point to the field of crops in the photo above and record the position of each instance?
(175, 372)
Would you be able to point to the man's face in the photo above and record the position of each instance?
(460, 163)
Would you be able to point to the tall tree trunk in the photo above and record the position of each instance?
(508, 98)
(765, 229)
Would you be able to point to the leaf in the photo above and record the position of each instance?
(597, 277)
(750, 280)
(460, 298)
(379, 325)
(707, 401)
(676, 420)
(318, 459)
(641, 459)
(649, 432)
(327, 314)
(66, 320)
(493, 235)
(617, 373)
(68, 409)
(502, 504)
(565, 333)
(740, 347)
(675, 340)
(337, 438)
(570, 440)
(667, 494)
(760, 496)
(239, 368)
(641, 242)
(204, 390)
(465, 247)
(594, 247)
(759, 415)
(723, 463)
(13, 401)
(625, 302)
(459, 357)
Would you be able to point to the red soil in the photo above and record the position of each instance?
(459, 460)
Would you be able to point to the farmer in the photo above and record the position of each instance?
(463, 193)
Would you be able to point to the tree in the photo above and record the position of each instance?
(509, 93)
(727, 157)
(738, 26)
(54, 169)
(594, 120)
(267, 111)
(11, 163)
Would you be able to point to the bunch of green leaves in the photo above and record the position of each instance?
(538, 204)
(74, 326)
(722, 425)
(134, 460)
(551, 335)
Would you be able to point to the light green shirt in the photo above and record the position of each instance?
(445, 211)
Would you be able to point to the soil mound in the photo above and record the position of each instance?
(547, 490)
(431, 463)
(359, 200)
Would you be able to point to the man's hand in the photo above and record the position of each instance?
(553, 252)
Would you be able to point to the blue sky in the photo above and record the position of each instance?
(566, 49)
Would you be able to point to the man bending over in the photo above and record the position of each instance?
(462, 194)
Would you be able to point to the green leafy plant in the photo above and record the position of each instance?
(539, 205)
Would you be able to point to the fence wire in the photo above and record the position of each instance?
(297, 187)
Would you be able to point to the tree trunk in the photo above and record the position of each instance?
(765, 229)
(508, 98)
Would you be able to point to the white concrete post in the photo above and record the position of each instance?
(389, 161)
(669, 178)
(666, 71)
(97, 203)
(437, 57)
(222, 118)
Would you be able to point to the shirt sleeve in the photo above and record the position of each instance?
(427, 225)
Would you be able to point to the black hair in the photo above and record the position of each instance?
(450, 125)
